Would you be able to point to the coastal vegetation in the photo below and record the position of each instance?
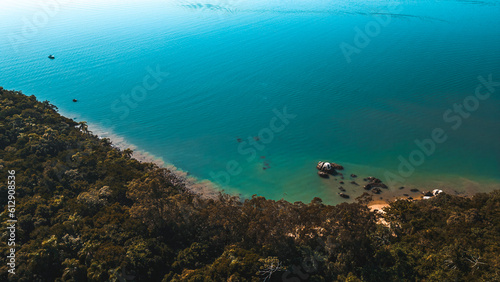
(88, 211)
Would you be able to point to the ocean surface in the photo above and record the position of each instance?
(252, 94)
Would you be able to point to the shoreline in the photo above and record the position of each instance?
(396, 195)
(207, 189)
(203, 188)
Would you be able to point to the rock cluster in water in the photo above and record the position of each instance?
(375, 185)
(325, 169)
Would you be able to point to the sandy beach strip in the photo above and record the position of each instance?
(203, 188)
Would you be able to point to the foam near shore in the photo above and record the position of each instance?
(204, 188)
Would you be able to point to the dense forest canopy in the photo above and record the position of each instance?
(88, 211)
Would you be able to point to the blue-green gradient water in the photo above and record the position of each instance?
(232, 64)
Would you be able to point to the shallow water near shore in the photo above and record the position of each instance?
(219, 74)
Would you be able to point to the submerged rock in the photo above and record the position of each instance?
(344, 195)
(337, 166)
(323, 174)
(374, 182)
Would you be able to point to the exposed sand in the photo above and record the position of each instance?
(205, 188)
(377, 205)
(394, 195)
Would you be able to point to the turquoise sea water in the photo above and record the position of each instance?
(233, 64)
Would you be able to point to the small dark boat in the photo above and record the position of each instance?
(323, 174)
(345, 196)
(51, 57)
(75, 100)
